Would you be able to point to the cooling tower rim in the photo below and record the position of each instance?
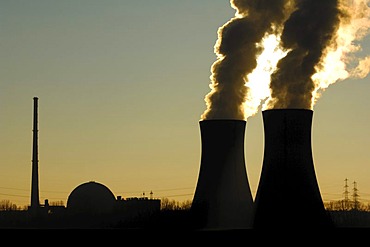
(288, 109)
(222, 120)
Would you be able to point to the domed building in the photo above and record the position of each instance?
(91, 198)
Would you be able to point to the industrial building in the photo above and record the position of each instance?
(88, 202)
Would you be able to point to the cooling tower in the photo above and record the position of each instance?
(222, 198)
(288, 194)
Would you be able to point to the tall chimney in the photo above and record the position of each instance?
(35, 201)
(288, 194)
(222, 199)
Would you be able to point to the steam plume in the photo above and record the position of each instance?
(307, 32)
(237, 52)
(342, 58)
(321, 38)
(316, 46)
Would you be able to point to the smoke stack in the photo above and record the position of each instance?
(35, 201)
(288, 194)
(222, 199)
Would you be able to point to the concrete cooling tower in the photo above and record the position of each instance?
(222, 198)
(288, 194)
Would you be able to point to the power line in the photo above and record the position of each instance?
(49, 191)
(12, 195)
(132, 192)
(179, 195)
(13, 188)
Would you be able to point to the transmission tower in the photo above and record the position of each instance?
(346, 199)
(355, 196)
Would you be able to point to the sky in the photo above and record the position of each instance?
(121, 87)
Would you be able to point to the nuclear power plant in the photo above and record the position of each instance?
(90, 199)
(223, 198)
(288, 166)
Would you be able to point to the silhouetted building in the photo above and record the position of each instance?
(53, 209)
(94, 204)
(288, 194)
(136, 206)
(222, 199)
(94, 198)
(91, 198)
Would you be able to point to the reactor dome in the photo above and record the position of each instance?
(91, 198)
